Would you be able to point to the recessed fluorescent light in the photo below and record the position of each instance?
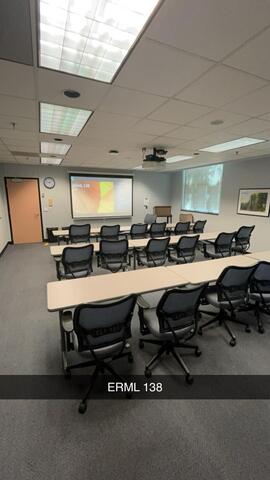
(90, 38)
(54, 148)
(178, 158)
(238, 143)
(50, 161)
(62, 120)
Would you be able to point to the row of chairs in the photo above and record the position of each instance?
(114, 255)
(102, 331)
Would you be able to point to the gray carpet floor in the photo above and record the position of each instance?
(120, 439)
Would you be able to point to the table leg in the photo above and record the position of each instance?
(134, 258)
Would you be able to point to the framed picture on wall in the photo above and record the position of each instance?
(254, 201)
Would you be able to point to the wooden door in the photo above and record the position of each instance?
(24, 210)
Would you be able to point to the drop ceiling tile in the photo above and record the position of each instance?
(164, 141)
(21, 124)
(255, 104)
(11, 134)
(51, 85)
(253, 57)
(178, 112)
(153, 127)
(227, 117)
(189, 133)
(266, 117)
(17, 80)
(210, 28)
(129, 102)
(219, 86)
(160, 69)
(249, 127)
(19, 107)
(105, 120)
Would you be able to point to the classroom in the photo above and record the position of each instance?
(134, 239)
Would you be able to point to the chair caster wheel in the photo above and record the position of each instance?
(148, 373)
(141, 344)
(130, 358)
(200, 331)
(198, 352)
(128, 395)
(189, 379)
(247, 329)
(233, 342)
(67, 373)
(82, 408)
(260, 329)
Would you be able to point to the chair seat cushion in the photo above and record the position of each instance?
(257, 297)
(217, 255)
(150, 300)
(187, 259)
(81, 274)
(101, 353)
(151, 263)
(212, 298)
(152, 323)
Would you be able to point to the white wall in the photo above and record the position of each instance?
(4, 222)
(240, 174)
(156, 186)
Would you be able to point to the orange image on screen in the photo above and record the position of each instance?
(93, 197)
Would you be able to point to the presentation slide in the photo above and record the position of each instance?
(100, 196)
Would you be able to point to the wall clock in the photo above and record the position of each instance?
(49, 182)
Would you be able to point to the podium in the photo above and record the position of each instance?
(163, 211)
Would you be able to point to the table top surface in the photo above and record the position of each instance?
(69, 293)
(96, 230)
(209, 270)
(261, 256)
(57, 250)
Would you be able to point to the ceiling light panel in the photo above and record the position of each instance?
(50, 161)
(62, 120)
(178, 158)
(90, 38)
(54, 148)
(238, 143)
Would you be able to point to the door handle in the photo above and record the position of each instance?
(37, 215)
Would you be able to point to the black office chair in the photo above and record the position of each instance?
(198, 226)
(229, 295)
(181, 228)
(76, 262)
(242, 239)
(113, 255)
(79, 233)
(100, 336)
(150, 218)
(157, 230)
(50, 236)
(184, 250)
(221, 247)
(110, 232)
(154, 254)
(172, 323)
(138, 230)
(260, 292)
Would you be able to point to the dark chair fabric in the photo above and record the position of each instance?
(77, 261)
(110, 232)
(184, 251)
(260, 292)
(138, 230)
(181, 228)
(50, 236)
(113, 255)
(79, 233)
(242, 239)
(198, 226)
(154, 254)
(157, 230)
(221, 247)
(150, 218)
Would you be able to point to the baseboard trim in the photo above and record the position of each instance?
(4, 249)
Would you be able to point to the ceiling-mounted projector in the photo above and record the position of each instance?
(154, 155)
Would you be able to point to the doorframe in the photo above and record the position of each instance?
(39, 198)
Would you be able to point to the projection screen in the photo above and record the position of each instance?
(101, 196)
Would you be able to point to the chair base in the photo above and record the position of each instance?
(100, 367)
(169, 348)
(222, 317)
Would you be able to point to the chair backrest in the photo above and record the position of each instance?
(77, 259)
(242, 236)
(113, 248)
(233, 283)
(186, 217)
(79, 233)
(223, 242)
(181, 227)
(198, 226)
(157, 246)
(260, 280)
(138, 230)
(99, 326)
(178, 307)
(157, 229)
(150, 218)
(186, 245)
(110, 231)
